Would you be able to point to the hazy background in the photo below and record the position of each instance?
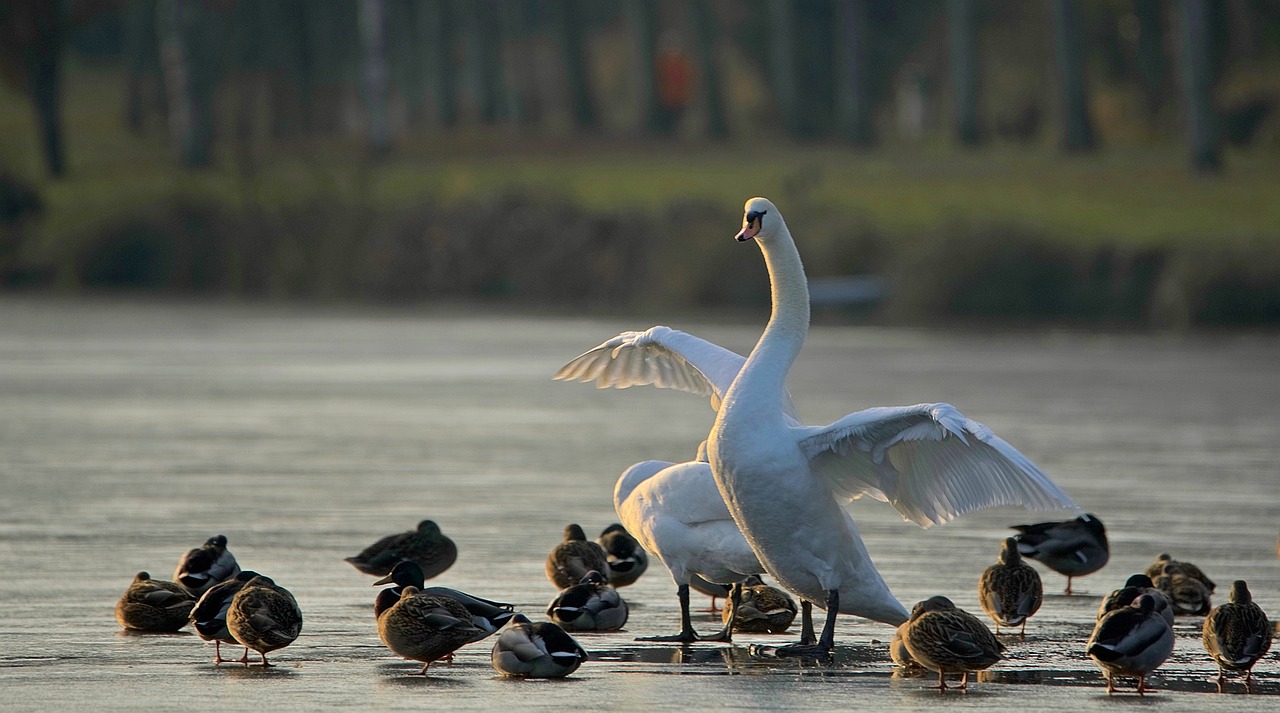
(1095, 162)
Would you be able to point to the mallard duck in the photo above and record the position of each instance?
(487, 615)
(1010, 590)
(1187, 594)
(540, 650)
(570, 561)
(589, 605)
(154, 605)
(762, 609)
(427, 545)
(1237, 635)
(1134, 587)
(425, 628)
(264, 616)
(1072, 548)
(898, 650)
(210, 614)
(1131, 641)
(627, 559)
(206, 565)
(1157, 568)
(944, 638)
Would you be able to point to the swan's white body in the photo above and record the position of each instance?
(784, 484)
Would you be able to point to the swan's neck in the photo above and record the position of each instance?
(765, 373)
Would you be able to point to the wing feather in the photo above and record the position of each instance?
(928, 461)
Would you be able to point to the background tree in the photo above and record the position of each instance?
(1073, 99)
(185, 39)
(706, 38)
(782, 64)
(435, 19)
(854, 106)
(377, 91)
(568, 25)
(962, 32)
(1197, 86)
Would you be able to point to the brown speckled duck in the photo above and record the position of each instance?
(264, 616)
(762, 610)
(570, 561)
(210, 615)
(943, 638)
(1187, 594)
(1010, 590)
(426, 628)
(1237, 635)
(153, 605)
(1163, 560)
(898, 651)
(427, 546)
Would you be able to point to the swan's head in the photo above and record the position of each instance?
(760, 220)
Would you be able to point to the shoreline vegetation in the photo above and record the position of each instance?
(1010, 234)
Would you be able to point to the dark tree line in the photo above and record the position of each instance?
(828, 67)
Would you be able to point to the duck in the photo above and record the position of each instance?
(1237, 635)
(898, 652)
(942, 637)
(702, 586)
(1131, 641)
(154, 605)
(426, 628)
(570, 560)
(1135, 586)
(206, 565)
(1187, 595)
(543, 650)
(927, 461)
(590, 605)
(1010, 590)
(209, 617)
(1073, 548)
(1157, 568)
(762, 609)
(627, 559)
(264, 616)
(426, 545)
(487, 615)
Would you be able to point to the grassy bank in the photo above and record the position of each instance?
(1004, 233)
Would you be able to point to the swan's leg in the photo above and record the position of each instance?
(827, 642)
(687, 635)
(726, 634)
(807, 637)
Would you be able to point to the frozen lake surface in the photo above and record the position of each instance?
(130, 432)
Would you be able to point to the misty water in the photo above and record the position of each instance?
(130, 432)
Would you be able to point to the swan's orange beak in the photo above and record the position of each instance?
(749, 231)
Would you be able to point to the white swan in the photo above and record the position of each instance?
(927, 461)
(783, 483)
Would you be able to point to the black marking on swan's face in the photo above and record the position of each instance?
(751, 225)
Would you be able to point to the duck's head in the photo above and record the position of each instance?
(1139, 580)
(615, 527)
(246, 575)
(218, 541)
(594, 579)
(410, 591)
(1145, 603)
(429, 528)
(1240, 592)
(938, 603)
(142, 576)
(574, 532)
(1009, 551)
(760, 220)
(404, 574)
(261, 580)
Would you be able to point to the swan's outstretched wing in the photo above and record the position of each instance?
(928, 461)
(664, 357)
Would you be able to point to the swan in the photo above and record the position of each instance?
(784, 484)
(927, 461)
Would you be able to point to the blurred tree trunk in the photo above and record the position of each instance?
(706, 36)
(404, 67)
(854, 110)
(782, 64)
(654, 119)
(292, 97)
(1068, 31)
(1198, 86)
(568, 28)
(377, 91)
(516, 66)
(141, 63)
(1150, 60)
(482, 68)
(436, 32)
(188, 75)
(963, 33)
(43, 59)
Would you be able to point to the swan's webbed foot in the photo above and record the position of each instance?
(816, 652)
(687, 636)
